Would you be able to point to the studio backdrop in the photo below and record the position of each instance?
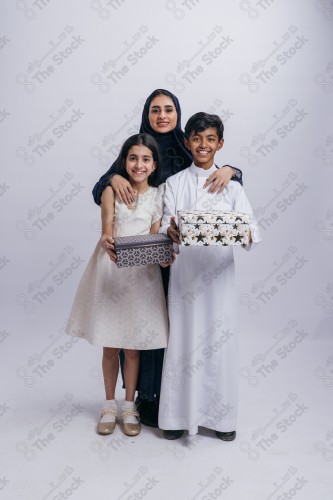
(74, 78)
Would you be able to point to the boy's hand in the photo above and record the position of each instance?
(124, 191)
(173, 231)
(107, 243)
(249, 243)
(219, 180)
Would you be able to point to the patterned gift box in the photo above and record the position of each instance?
(213, 227)
(144, 249)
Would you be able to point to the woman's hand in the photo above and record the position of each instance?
(219, 180)
(107, 243)
(173, 231)
(123, 189)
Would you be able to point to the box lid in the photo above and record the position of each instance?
(141, 240)
(212, 217)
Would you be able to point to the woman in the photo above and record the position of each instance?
(164, 125)
(161, 118)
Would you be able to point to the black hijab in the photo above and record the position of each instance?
(171, 144)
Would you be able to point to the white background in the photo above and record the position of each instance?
(74, 77)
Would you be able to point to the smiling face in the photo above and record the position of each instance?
(139, 164)
(203, 146)
(162, 114)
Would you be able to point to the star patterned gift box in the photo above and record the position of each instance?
(143, 249)
(213, 227)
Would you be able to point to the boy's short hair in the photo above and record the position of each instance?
(200, 121)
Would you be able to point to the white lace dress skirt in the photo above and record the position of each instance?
(123, 307)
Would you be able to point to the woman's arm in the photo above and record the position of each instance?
(107, 213)
(102, 184)
(219, 179)
(123, 189)
(237, 174)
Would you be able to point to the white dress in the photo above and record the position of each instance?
(123, 307)
(200, 371)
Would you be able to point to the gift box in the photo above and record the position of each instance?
(144, 249)
(213, 227)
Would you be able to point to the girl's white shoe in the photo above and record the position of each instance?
(109, 415)
(130, 419)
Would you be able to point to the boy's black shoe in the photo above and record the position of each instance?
(172, 434)
(226, 436)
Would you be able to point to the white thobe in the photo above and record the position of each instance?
(200, 371)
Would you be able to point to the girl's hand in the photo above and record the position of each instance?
(173, 231)
(107, 243)
(167, 264)
(219, 180)
(123, 189)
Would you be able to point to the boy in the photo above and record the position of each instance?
(200, 372)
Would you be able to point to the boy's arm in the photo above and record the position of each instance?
(242, 204)
(107, 213)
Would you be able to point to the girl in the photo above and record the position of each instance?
(161, 118)
(124, 308)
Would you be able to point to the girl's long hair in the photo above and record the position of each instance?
(138, 140)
